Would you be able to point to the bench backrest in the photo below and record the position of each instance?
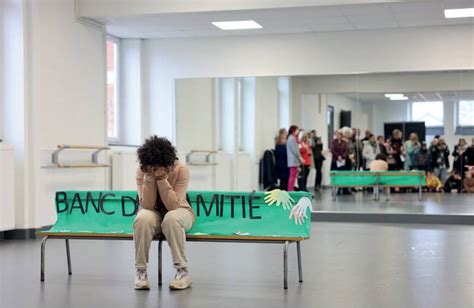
(217, 213)
(383, 178)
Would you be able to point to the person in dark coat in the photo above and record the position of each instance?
(439, 159)
(318, 158)
(470, 154)
(381, 144)
(339, 151)
(460, 157)
(268, 170)
(281, 160)
(453, 182)
(396, 143)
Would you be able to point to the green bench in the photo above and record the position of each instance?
(220, 217)
(377, 179)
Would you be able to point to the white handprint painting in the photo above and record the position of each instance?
(300, 209)
(279, 197)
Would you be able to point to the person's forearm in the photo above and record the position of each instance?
(148, 193)
(167, 194)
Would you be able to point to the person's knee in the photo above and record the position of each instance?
(145, 218)
(172, 218)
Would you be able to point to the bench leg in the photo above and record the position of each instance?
(420, 189)
(334, 192)
(285, 265)
(68, 254)
(43, 248)
(160, 262)
(300, 266)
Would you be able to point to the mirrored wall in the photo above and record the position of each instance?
(225, 126)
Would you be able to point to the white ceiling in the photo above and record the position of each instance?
(289, 20)
(446, 96)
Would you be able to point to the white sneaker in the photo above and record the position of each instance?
(141, 279)
(182, 280)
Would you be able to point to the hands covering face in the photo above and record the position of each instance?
(160, 172)
(157, 172)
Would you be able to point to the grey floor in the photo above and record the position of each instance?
(345, 265)
(432, 203)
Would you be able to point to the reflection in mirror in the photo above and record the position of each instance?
(418, 120)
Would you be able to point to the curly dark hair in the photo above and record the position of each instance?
(157, 152)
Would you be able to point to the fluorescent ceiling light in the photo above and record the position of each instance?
(237, 25)
(399, 98)
(394, 95)
(459, 13)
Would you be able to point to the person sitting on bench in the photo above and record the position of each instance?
(162, 182)
(380, 164)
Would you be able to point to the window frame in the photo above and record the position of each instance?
(430, 130)
(461, 130)
(114, 140)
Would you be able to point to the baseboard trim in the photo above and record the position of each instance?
(449, 219)
(21, 234)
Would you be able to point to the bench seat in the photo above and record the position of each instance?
(220, 217)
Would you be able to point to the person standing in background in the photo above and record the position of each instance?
(423, 157)
(470, 154)
(281, 159)
(460, 157)
(318, 158)
(339, 151)
(381, 145)
(368, 133)
(293, 155)
(412, 150)
(440, 160)
(340, 155)
(305, 152)
(347, 138)
(355, 148)
(432, 152)
(370, 151)
(396, 144)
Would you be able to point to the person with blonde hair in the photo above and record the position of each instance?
(412, 150)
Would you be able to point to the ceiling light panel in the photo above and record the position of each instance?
(237, 25)
(459, 13)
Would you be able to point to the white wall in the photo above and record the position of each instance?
(106, 8)
(67, 99)
(2, 64)
(54, 93)
(432, 48)
(13, 116)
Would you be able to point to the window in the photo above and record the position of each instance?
(226, 114)
(247, 114)
(236, 124)
(465, 118)
(431, 113)
(112, 89)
